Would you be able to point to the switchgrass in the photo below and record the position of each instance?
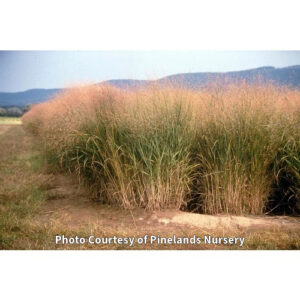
(235, 147)
(26, 221)
(221, 150)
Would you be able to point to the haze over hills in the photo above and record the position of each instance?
(289, 76)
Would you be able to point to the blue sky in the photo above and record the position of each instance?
(22, 70)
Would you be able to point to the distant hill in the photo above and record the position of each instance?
(27, 97)
(289, 76)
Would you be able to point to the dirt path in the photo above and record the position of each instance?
(69, 203)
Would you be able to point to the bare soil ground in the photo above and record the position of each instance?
(68, 203)
(67, 209)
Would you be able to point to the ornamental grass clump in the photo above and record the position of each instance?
(224, 149)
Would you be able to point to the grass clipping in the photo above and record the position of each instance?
(230, 149)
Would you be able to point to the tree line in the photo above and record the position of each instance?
(14, 111)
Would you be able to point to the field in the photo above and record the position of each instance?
(103, 162)
(10, 120)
